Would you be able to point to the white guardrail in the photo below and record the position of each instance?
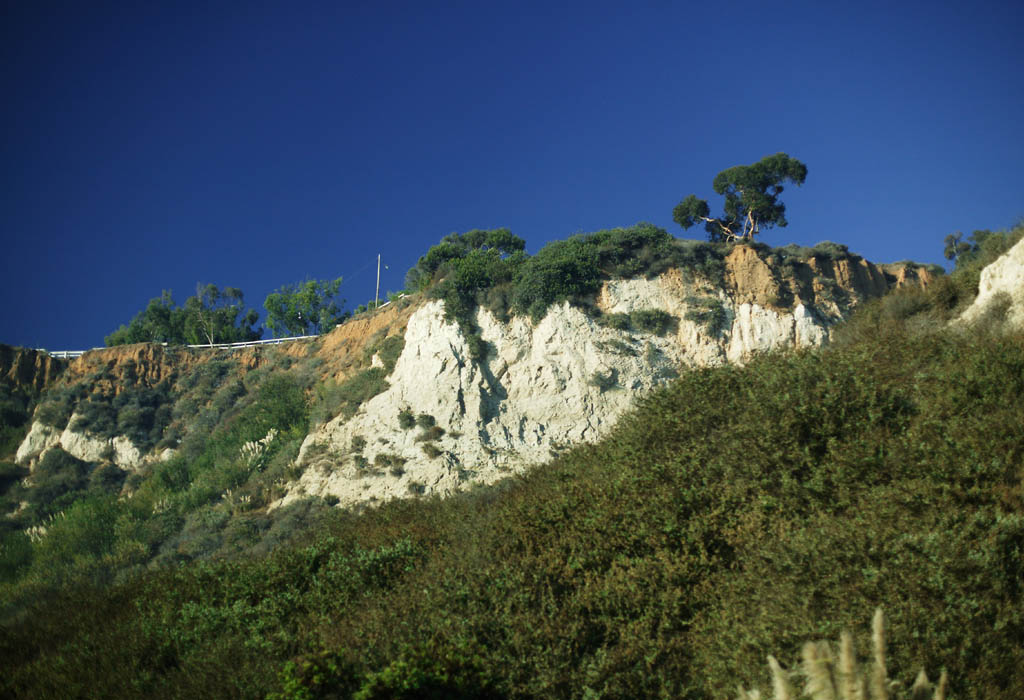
(68, 354)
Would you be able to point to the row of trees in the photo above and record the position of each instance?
(215, 315)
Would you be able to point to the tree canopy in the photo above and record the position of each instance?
(751, 199)
(498, 243)
(213, 315)
(307, 308)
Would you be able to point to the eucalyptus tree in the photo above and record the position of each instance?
(751, 199)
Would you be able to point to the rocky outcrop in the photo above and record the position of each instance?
(112, 370)
(446, 421)
(903, 273)
(561, 382)
(29, 370)
(119, 450)
(40, 438)
(1001, 289)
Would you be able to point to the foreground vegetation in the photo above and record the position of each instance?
(736, 513)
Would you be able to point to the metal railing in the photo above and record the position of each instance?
(70, 354)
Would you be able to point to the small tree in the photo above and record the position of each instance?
(211, 316)
(955, 247)
(214, 316)
(311, 307)
(751, 199)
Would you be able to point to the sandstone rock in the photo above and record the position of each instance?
(88, 448)
(40, 438)
(543, 387)
(30, 370)
(1001, 282)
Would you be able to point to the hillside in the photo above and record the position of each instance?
(737, 511)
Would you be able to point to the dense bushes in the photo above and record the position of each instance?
(466, 271)
(736, 513)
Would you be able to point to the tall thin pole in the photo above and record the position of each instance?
(376, 294)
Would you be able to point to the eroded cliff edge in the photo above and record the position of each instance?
(447, 422)
(441, 420)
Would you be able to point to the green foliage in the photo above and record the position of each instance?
(653, 321)
(984, 248)
(751, 199)
(465, 273)
(307, 308)
(386, 348)
(56, 406)
(213, 315)
(406, 420)
(425, 421)
(140, 413)
(666, 561)
(346, 398)
(14, 418)
(618, 321)
(482, 246)
(434, 432)
(709, 312)
(734, 513)
(57, 477)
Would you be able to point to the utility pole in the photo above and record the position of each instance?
(376, 294)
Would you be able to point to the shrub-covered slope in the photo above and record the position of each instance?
(735, 513)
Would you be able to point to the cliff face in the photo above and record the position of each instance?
(563, 381)
(28, 370)
(1001, 289)
(446, 421)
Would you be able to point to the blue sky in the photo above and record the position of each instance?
(151, 146)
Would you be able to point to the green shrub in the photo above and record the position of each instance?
(620, 322)
(425, 421)
(15, 555)
(107, 478)
(709, 312)
(406, 420)
(654, 321)
(95, 416)
(431, 450)
(385, 460)
(10, 473)
(386, 348)
(14, 419)
(346, 398)
(434, 432)
(58, 478)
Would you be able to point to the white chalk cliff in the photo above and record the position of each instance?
(1002, 283)
(549, 386)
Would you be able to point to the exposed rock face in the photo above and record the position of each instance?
(562, 382)
(89, 448)
(121, 367)
(40, 438)
(751, 278)
(1002, 284)
(901, 274)
(28, 370)
(541, 389)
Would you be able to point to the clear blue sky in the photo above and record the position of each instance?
(153, 145)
